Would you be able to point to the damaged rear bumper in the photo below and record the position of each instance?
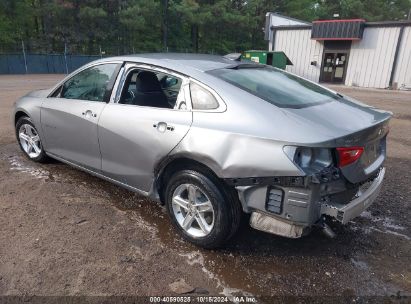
(292, 211)
(345, 213)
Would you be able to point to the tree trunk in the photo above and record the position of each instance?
(164, 24)
(194, 37)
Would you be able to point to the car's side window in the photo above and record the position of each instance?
(201, 98)
(152, 89)
(90, 84)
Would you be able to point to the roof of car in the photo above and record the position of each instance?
(180, 62)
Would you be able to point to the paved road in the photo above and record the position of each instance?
(64, 232)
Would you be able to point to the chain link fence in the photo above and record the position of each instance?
(58, 58)
(42, 63)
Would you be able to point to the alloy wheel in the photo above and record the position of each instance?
(30, 140)
(193, 210)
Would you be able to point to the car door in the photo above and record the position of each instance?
(135, 134)
(70, 115)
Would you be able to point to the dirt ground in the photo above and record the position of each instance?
(64, 232)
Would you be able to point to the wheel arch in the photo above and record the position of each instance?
(19, 114)
(174, 164)
(229, 193)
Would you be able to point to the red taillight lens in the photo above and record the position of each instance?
(349, 155)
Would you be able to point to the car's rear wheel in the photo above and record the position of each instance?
(200, 209)
(29, 140)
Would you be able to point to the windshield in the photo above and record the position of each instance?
(275, 86)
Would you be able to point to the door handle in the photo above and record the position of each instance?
(89, 113)
(162, 127)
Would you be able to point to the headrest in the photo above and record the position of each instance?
(147, 82)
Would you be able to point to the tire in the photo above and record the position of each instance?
(33, 149)
(226, 210)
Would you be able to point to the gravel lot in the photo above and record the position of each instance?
(64, 232)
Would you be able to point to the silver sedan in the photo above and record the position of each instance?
(213, 139)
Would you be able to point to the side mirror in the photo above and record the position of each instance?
(167, 81)
(171, 82)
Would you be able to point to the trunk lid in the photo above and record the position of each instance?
(354, 124)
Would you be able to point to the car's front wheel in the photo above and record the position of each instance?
(200, 209)
(29, 140)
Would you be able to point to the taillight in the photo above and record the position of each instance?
(349, 155)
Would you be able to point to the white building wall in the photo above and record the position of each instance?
(302, 50)
(371, 58)
(403, 72)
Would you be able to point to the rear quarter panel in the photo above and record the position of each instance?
(213, 141)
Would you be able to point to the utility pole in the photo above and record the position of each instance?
(65, 56)
(24, 55)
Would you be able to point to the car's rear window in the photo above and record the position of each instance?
(275, 86)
